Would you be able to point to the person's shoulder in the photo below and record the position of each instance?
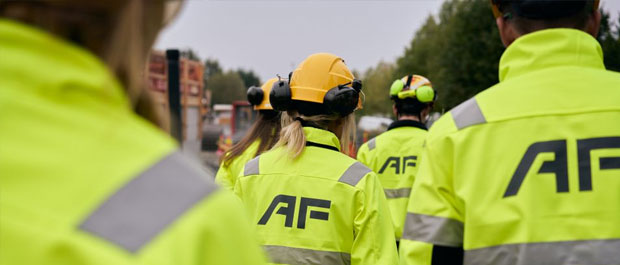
(368, 145)
(609, 76)
(355, 172)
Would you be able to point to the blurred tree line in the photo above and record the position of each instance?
(226, 86)
(459, 51)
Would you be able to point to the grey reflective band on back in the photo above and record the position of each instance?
(372, 143)
(149, 203)
(467, 114)
(251, 167)
(397, 193)
(591, 252)
(304, 256)
(432, 229)
(354, 174)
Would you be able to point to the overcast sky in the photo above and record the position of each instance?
(271, 37)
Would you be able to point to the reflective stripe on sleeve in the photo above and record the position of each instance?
(467, 114)
(354, 174)
(147, 204)
(397, 193)
(372, 143)
(251, 168)
(304, 256)
(591, 252)
(432, 229)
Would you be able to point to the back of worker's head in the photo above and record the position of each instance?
(321, 92)
(413, 95)
(119, 32)
(519, 17)
(266, 127)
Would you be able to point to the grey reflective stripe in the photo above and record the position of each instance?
(304, 256)
(433, 229)
(147, 204)
(354, 174)
(397, 193)
(467, 114)
(372, 144)
(591, 252)
(251, 168)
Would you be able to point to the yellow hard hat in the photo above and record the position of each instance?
(413, 86)
(322, 79)
(316, 75)
(259, 96)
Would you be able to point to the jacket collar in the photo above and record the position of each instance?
(55, 66)
(407, 123)
(550, 48)
(322, 137)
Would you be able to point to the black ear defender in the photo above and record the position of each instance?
(280, 96)
(343, 99)
(255, 95)
(408, 83)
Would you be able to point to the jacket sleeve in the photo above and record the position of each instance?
(230, 238)
(374, 241)
(433, 232)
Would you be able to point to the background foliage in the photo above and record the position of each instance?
(227, 86)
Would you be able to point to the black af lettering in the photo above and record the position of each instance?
(559, 165)
(289, 210)
(319, 215)
(584, 147)
(396, 162)
(392, 161)
(409, 161)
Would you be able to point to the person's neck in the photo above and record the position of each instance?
(408, 117)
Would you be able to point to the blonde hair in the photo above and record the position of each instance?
(119, 32)
(292, 135)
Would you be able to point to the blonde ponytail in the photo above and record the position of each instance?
(292, 135)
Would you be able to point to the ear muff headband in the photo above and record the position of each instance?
(342, 99)
(408, 84)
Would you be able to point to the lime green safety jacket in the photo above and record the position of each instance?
(320, 208)
(84, 180)
(227, 175)
(528, 171)
(394, 155)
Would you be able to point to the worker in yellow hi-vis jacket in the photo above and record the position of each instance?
(84, 179)
(311, 203)
(260, 138)
(394, 155)
(528, 171)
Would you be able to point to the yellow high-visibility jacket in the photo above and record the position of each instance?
(227, 175)
(320, 208)
(84, 180)
(394, 156)
(528, 171)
